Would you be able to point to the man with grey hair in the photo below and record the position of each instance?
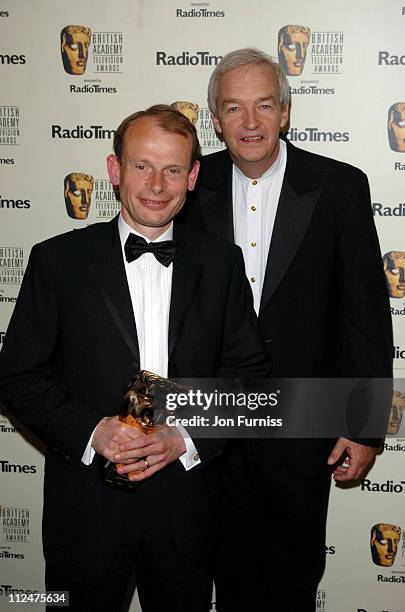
(305, 226)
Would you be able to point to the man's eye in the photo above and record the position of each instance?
(74, 47)
(266, 106)
(173, 171)
(291, 47)
(77, 192)
(140, 166)
(232, 109)
(395, 271)
(401, 124)
(383, 541)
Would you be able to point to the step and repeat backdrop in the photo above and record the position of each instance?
(71, 71)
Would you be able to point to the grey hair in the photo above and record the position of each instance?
(242, 57)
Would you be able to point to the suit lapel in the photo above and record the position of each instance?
(216, 207)
(108, 273)
(218, 219)
(187, 270)
(294, 213)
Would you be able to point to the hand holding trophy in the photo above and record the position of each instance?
(142, 407)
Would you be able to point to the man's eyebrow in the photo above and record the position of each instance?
(239, 101)
(136, 160)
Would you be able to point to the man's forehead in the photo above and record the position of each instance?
(246, 72)
(143, 136)
(248, 69)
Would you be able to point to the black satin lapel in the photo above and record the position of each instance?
(186, 278)
(217, 210)
(294, 213)
(108, 273)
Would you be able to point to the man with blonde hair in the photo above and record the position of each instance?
(95, 306)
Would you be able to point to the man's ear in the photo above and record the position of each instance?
(216, 123)
(113, 168)
(192, 177)
(284, 115)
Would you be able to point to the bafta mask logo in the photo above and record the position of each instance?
(78, 190)
(397, 411)
(74, 46)
(293, 41)
(396, 127)
(394, 268)
(384, 543)
(188, 109)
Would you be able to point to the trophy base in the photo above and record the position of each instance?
(111, 478)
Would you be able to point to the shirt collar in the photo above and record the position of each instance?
(124, 231)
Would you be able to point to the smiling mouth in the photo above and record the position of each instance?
(158, 204)
(252, 139)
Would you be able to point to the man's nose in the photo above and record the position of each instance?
(80, 49)
(401, 275)
(157, 182)
(250, 118)
(299, 51)
(390, 545)
(84, 196)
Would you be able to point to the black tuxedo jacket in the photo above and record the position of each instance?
(324, 309)
(65, 365)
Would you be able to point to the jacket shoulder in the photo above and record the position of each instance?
(207, 245)
(214, 167)
(301, 164)
(77, 238)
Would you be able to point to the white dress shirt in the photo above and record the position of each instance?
(255, 204)
(150, 286)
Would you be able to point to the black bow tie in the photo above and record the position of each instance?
(164, 251)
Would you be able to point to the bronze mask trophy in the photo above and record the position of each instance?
(142, 407)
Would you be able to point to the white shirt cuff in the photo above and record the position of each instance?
(88, 455)
(190, 458)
